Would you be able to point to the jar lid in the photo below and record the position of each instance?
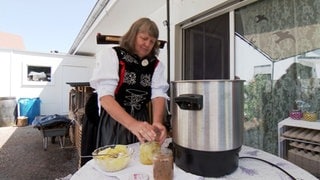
(163, 153)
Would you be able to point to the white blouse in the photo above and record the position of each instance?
(105, 75)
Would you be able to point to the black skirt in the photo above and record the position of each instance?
(111, 132)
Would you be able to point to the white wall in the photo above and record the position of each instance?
(5, 77)
(53, 95)
(182, 11)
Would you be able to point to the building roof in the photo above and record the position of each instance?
(11, 41)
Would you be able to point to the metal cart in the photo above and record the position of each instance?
(59, 132)
(52, 126)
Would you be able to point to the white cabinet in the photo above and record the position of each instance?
(299, 142)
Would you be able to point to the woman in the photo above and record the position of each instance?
(127, 78)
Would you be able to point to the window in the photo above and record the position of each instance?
(281, 37)
(207, 50)
(39, 73)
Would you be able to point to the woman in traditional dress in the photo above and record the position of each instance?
(127, 77)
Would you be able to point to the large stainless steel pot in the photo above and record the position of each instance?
(207, 122)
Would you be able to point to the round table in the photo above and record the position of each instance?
(253, 164)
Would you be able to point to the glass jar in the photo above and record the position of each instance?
(163, 165)
(296, 114)
(147, 150)
(310, 116)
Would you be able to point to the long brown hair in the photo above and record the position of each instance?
(141, 25)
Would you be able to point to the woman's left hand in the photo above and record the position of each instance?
(161, 132)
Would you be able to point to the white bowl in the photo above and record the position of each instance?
(113, 158)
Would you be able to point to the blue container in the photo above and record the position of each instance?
(29, 107)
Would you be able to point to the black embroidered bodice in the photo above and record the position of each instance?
(135, 75)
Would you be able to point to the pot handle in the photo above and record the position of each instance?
(189, 101)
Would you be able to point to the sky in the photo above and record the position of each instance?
(45, 25)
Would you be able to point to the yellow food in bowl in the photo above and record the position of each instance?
(113, 157)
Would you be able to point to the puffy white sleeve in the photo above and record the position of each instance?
(159, 83)
(105, 73)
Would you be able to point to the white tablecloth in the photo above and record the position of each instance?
(248, 168)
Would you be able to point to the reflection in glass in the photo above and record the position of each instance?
(277, 53)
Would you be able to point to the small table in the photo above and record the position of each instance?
(253, 164)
